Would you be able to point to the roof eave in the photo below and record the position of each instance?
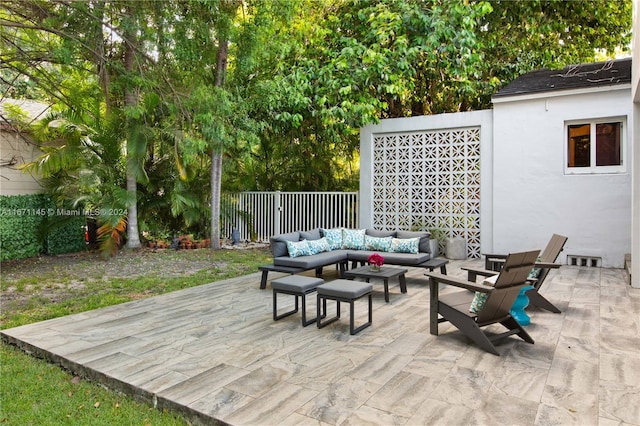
(554, 93)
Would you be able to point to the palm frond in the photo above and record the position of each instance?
(110, 235)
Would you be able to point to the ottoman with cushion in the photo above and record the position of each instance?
(295, 285)
(343, 291)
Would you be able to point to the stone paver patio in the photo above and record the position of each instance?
(215, 354)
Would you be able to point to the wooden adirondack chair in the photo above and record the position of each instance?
(546, 263)
(454, 307)
(494, 262)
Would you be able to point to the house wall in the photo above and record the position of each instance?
(15, 151)
(635, 211)
(525, 194)
(534, 198)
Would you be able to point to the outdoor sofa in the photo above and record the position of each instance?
(297, 252)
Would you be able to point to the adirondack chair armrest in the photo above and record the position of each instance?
(435, 279)
(547, 265)
(438, 278)
(494, 262)
(495, 256)
(472, 273)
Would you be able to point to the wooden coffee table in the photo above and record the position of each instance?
(384, 273)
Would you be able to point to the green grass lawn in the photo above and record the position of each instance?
(34, 392)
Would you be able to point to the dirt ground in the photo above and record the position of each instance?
(126, 264)
(92, 265)
(53, 278)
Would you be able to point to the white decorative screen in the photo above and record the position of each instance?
(429, 180)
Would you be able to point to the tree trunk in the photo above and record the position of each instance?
(216, 152)
(130, 100)
(133, 235)
(100, 54)
(216, 180)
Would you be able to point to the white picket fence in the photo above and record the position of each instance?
(260, 215)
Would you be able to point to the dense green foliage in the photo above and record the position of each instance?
(168, 103)
(66, 233)
(32, 225)
(21, 225)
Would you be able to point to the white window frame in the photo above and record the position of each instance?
(593, 169)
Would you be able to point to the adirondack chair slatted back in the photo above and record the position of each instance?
(512, 278)
(553, 249)
(550, 255)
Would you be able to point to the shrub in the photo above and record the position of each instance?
(29, 227)
(22, 218)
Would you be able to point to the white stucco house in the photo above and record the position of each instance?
(561, 161)
(554, 155)
(17, 147)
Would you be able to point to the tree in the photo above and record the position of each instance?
(74, 34)
(227, 12)
(134, 140)
(345, 64)
(522, 36)
(205, 107)
(125, 48)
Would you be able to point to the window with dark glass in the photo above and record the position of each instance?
(594, 145)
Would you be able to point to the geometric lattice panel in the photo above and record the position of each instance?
(429, 180)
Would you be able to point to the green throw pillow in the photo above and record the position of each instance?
(535, 272)
(480, 298)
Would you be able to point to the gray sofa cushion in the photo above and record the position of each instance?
(344, 288)
(313, 234)
(279, 243)
(296, 283)
(390, 259)
(314, 261)
(375, 233)
(424, 236)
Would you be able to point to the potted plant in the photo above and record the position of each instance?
(375, 262)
